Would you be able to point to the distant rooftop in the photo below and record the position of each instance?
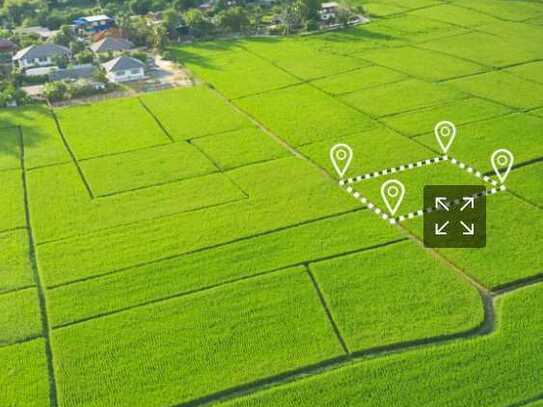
(93, 19)
(123, 63)
(74, 72)
(41, 51)
(110, 44)
(7, 45)
(42, 32)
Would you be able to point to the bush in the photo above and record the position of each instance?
(9, 94)
(311, 25)
(56, 91)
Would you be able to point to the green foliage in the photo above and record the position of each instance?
(363, 78)
(10, 94)
(504, 88)
(233, 70)
(110, 127)
(376, 149)
(190, 258)
(459, 112)
(150, 282)
(517, 132)
(12, 204)
(122, 209)
(19, 316)
(18, 10)
(43, 145)
(162, 164)
(23, 374)
(424, 377)
(85, 57)
(416, 94)
(193, 112)
(243, 333)
(303, 115)
(233, 19)
(525, 181)
(378, 300)
(14, 261)
(422, 64)
(240, 147)
(56, 91)
(293, 193)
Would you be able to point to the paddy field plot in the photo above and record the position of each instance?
(195, 246)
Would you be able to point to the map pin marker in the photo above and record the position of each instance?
(502, 162)
(445, 133)
(392, 192)
(341, 156)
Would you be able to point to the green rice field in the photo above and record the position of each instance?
(193, 246)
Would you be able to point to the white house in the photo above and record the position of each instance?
(328, 10)
(124, 69)
(40, 55)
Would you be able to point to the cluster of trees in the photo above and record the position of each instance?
(11, 95)
(60, 90)
(178, 16)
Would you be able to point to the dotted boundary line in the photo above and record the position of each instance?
(346, 185)
(393, 170)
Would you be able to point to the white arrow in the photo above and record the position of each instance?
(470, 231)
(469, 201)
(441, 201)
(440, 229)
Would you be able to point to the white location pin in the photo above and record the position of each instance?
(445, 133)
(502, 162)
(341, 156)
(392, 192)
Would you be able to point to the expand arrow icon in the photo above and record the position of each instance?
(469, 201)
(440, 230)
(469, 230)
(441, 201)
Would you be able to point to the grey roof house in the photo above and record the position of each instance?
(110, 44)
(40, 55)
(73, 73)
(123, 69)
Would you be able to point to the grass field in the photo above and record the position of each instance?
(193, 247)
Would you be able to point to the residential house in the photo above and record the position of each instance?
(110, 44)
(124, 69)
(40, 55)
(73, 73)
(93, 24)
(328, 11)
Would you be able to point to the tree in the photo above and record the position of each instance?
(171, 21)
(344, 15)
(309, 9)
(233, 19)
(182, 5)
(56, 91)
(197, 22)
(140, 7)
(158, 37)
(61, 61)
(64, 36)
(291, 15)
(17, 10)
(85, 57)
